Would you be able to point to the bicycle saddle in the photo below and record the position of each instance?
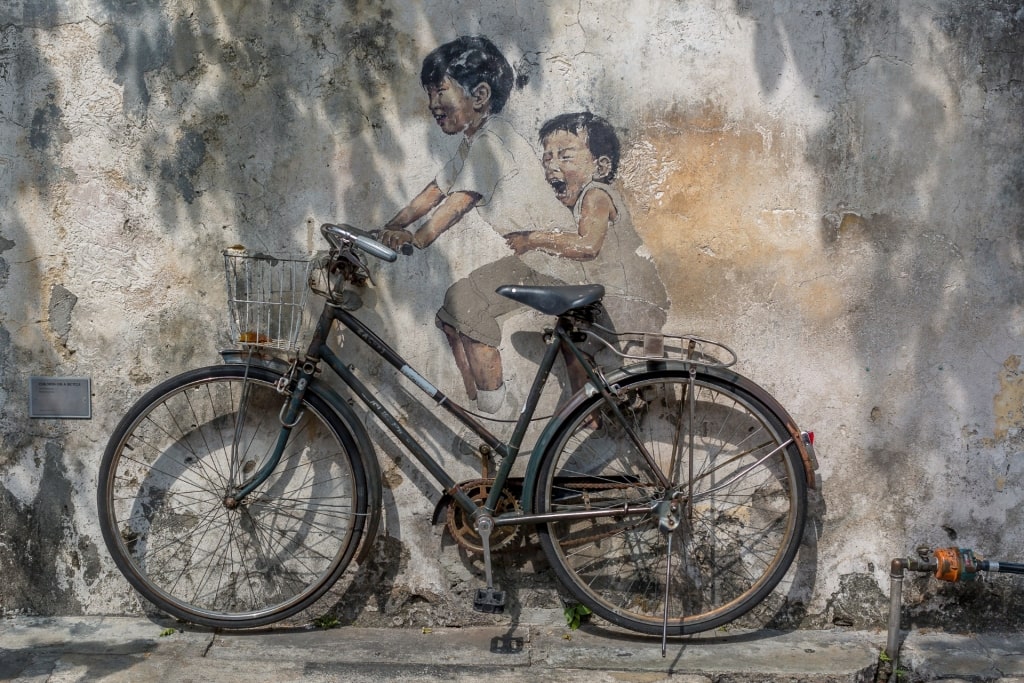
(553, 300)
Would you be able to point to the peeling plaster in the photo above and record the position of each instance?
(1008, 403)
(62, 303)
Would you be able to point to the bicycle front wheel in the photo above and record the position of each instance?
(719, 458)
(173, 530)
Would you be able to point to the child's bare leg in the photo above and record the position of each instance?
(574, 369)
(461, 361)
(485, 363)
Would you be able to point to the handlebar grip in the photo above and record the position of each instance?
(406, 249)
(361, 238)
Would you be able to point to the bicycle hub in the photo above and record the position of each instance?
(668, 515)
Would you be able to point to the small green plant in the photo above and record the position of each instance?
(576, 614)
(168, 632)
(886, 672)
(327, 621)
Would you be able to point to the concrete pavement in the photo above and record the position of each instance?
(140, 650)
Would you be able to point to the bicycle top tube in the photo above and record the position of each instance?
(385, 351)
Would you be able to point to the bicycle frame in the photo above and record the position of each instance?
(319, 351)
(669, 448)
(508, 451)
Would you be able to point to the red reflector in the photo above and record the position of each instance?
(810, 437)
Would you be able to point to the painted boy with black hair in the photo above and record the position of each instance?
(468, 82)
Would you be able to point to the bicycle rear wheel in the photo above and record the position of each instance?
(164, 482)
(743, 503)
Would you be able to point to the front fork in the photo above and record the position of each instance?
(293, 385)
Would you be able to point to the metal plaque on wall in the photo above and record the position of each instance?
(68, 398)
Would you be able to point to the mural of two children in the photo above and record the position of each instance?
(468, 82)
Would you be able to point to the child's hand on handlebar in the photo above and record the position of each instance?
(395, 238)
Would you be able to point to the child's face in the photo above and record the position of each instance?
(568, 165)
(454, 109)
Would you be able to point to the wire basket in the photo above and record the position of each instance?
(266, 298)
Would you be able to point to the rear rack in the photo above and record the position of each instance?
(655, 346)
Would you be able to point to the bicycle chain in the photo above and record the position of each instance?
(575, 542)
(466, 536)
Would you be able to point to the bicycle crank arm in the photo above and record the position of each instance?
(488, 599)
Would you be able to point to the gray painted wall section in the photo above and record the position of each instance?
(834, 189)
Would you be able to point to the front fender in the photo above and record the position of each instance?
(800, 439)
(344, 412)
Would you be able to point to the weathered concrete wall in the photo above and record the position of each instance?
(836, 190)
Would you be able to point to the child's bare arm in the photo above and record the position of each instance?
(426, 200)
(449, 209)
(596, 212)
(448, 213)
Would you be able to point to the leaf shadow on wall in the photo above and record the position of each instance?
(921, 167)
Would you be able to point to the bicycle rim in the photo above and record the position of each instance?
(166, 474)
(744, 504)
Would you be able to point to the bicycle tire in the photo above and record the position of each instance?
(746, 521)
(163, 484)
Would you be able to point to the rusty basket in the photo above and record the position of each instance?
(266, 298)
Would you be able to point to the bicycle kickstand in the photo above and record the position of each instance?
(488, 599)
(669, 514)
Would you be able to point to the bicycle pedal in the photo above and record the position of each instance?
(489, 601)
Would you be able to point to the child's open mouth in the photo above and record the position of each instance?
(559, 186)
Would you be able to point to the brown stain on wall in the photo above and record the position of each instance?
(717, 207)
(1008, 404)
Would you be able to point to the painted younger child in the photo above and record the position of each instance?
(581, 159)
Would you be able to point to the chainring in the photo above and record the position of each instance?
(461, 527)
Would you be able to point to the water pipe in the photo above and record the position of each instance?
(947, 564)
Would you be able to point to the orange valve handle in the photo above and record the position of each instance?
(955, 564)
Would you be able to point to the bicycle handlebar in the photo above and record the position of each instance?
(362, 239)
(406, 248)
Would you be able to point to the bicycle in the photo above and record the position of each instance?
(669, 494)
